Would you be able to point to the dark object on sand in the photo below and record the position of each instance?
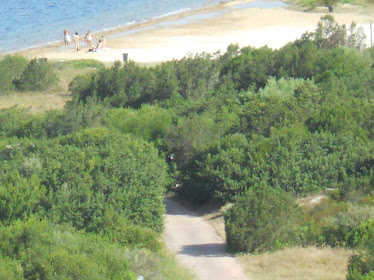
(125, 57)
(331, 8)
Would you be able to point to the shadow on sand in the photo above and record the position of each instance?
(205, 250)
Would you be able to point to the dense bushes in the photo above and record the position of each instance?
(262, 219)
(317, 94)
(94, 180)
(252, 127)
(349, 228)
(37, 250)
(251, 68)
(133, 85)
(74, 179)
(300, 163)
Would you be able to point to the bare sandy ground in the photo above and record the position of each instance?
(218, 26)
(198, 246)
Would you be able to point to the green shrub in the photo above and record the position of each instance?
(81, 87)
(361, 264)
(76, 178)
(262, 219)
(349, 228)
(38, 75)
(11, 68)
(10, 269)
(251, 68)
(134, 237)
(80, 64)
(330, 35)
(74, 118)
(326, 2)
(312, 4)
(44, 251)
(116, 229)
(12, 122)
(151, 123)
(361, 267)
(37, 249)
(118, 86)
(19, 196)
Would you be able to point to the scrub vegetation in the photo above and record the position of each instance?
(254, 130)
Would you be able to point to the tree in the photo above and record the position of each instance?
(251, 68)
(330, 34)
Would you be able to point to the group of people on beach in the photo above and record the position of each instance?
(88, 39)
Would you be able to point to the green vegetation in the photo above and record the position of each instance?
(80, 64)
(37, 76)
(312, 4)
(11, 68)
(262, 219)
(83, 187)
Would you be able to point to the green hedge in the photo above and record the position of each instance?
(263, 219)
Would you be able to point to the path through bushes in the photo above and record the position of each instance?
(198, 246)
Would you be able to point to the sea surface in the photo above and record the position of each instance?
(31, 23)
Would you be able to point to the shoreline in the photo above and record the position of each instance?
(119, 28)
(212, 28)
(134, 26)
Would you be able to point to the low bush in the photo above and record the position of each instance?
(361, 264)
(76, 178)
(349, 228)
(10, 269)
(81, 64)
(263, 219)
(43, 251)
(361, 267)
(11, 68)
(38, 75)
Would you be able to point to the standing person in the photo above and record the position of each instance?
(89, 38)
(76, 41)
(66, 37)
(103, 41)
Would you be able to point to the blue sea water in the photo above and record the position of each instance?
(29, 23)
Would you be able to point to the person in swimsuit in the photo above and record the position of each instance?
(89, 38)
(76, 41)
(103, 41)
(66, 37)
(99, 47)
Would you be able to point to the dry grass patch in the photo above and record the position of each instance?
(67, 75)
(291, 263)
(35, 102)
(297, 263)
(53, 98)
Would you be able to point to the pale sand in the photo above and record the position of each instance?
(197, 245)
(154, 42)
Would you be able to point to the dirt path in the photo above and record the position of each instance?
(198, 246)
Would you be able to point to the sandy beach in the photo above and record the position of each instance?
(209, 29)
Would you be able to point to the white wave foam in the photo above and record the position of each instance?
(172, 13)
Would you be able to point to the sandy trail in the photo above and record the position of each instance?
(198, 246)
